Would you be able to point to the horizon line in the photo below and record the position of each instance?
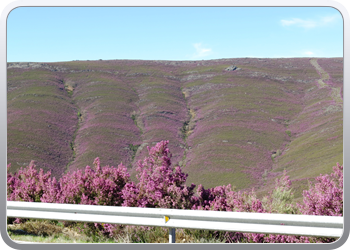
(163, 60)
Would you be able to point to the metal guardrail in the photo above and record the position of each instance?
(291, 224)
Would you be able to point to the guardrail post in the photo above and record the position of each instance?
(172, 235)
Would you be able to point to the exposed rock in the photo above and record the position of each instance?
(231, 68)
(196, 77)
(35, 65)
(332, 109)
(166, 113)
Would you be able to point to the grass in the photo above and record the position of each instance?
(44, 231)
(213, 179)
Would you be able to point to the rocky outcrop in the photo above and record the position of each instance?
(232, 68)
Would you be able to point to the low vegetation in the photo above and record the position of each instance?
(162, 185)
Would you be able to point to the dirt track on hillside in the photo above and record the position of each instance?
(335, 92)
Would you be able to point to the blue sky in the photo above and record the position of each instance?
(51, 34)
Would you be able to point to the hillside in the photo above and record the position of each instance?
(240, 121)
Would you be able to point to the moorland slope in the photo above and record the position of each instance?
(240, 121)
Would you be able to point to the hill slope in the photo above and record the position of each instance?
(239, 121)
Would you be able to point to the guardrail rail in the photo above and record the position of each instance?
(291, 224)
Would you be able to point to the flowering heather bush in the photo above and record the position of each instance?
(102, 186)
(223, 198)
(326, 196)
(12, 180)
(28, 184)
(160, 185)
(276, 238)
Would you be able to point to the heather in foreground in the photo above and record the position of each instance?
(162, 185)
